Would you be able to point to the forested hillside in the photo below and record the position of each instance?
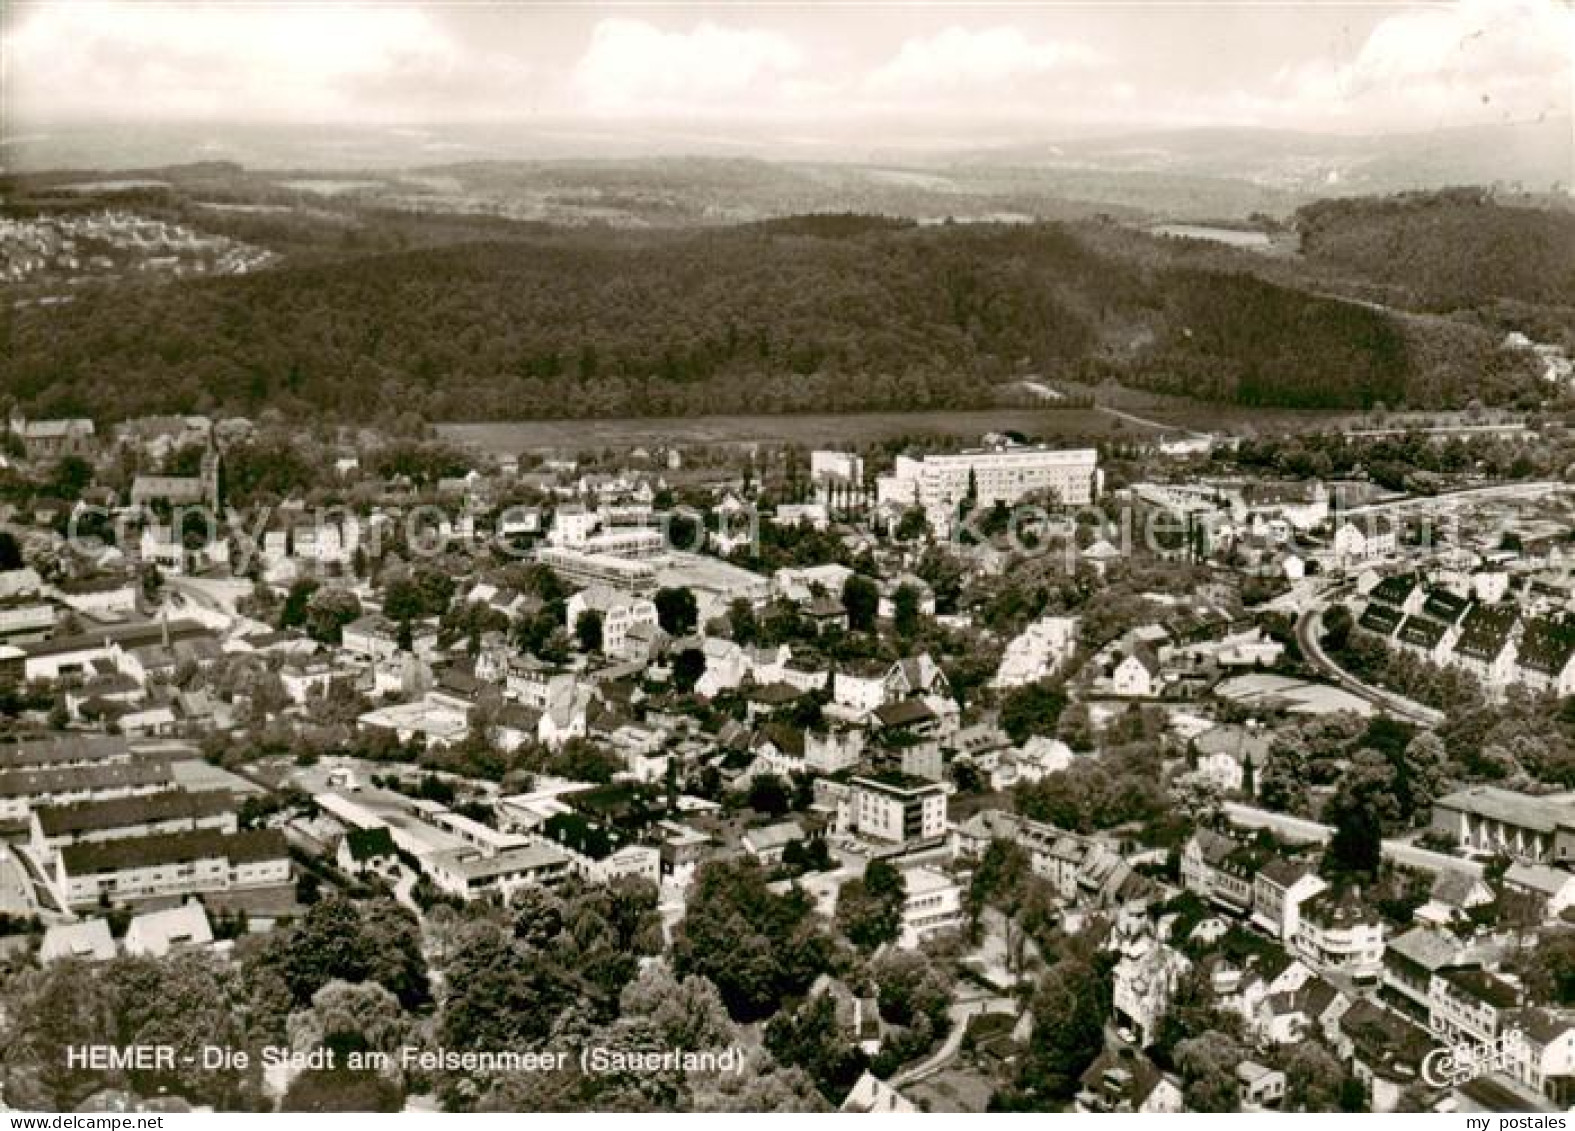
(827, 315)
(1451, 250)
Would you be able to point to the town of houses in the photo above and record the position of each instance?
(667, 695)
(108, 244)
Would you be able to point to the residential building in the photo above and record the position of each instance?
(1122, 1079)
(871, 1095)
(1219, 869)
(861, 687)
(149, 814)
(174, 864)
(1552, 888)
(85, 941)
(1411, 961)
(1469, 1005)
(1261, 1087)
(600, 852)
(1144, 981)
(1544, 1053)
(1339, 934)
(369, 852)
(768, 843)
(1136, 675)
(620, 613)
(159, 933)
(1278, 892)
(23, 790)
(472, 872)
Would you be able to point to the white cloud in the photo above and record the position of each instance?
(635, 66)
(386, 61)
(174, 61)
(1474, 60)
(958, 60)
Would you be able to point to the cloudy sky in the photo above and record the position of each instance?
(786, 69)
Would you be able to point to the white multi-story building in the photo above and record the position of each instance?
(845, 466)
(940, 483)
(897, 808)
(620, 612)
(934, 905)
(1361, 541)
(592, 532)
(1143, 982)
(1278, 892)
(861, 687)
(572, 524)
(471, 873)
(1337, 933)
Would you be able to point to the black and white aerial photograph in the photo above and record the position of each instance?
(817, 556)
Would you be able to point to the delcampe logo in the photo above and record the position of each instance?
(1452, 1065)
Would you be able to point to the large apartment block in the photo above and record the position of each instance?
(940, 483)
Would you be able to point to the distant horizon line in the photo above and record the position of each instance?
(577, 141)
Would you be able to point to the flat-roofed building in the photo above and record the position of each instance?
(585, 569)
(897, 808)
(939, 484)
(933, 904)
(471, 873)
(1339, 934)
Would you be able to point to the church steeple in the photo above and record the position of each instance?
(211, 473)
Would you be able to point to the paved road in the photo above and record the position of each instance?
(1530, 490)
(1144, 422)
(1300, 828)
(1309, 628)
(960, 1013)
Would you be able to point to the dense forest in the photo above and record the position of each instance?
(1456, 249)
(823, 314)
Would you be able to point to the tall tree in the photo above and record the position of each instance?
(588, 630)
(861, 601)
(869, 907)
(676, 610)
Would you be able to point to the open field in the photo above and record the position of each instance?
(954, 1090)
(823, 429)
(1065, 425)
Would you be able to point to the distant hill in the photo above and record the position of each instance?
(1522, 156)
(826, 314)
(536, 174)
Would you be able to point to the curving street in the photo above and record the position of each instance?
(1309, 629)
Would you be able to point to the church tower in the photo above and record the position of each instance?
(211, 473)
